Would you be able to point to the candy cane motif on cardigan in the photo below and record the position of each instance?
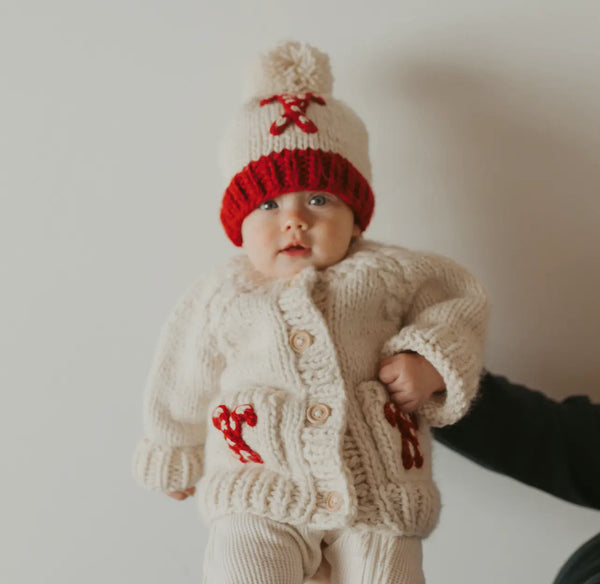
(408, 424)
(231, 426)
(294, 110)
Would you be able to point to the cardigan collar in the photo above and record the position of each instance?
(246, 278)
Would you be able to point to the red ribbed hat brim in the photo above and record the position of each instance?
(290, 171)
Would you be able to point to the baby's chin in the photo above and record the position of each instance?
(287, 270)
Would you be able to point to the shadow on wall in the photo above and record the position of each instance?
(518, 159)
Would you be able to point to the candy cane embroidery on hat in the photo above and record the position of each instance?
(293, 135)
(294, 110)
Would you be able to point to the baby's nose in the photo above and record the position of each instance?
(295, 222)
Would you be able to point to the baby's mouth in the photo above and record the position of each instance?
(296, 249)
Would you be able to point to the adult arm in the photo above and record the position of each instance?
(553, 446)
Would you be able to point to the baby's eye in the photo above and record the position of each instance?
(318, 200)
(268, 205)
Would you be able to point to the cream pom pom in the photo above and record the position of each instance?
(292, 67)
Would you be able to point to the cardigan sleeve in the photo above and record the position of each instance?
(181, 382)
(522, 433)
(445, 321)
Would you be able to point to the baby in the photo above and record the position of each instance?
(296, 384)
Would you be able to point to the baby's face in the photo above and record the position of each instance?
(290, 232)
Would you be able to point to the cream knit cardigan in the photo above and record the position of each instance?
(304, 354)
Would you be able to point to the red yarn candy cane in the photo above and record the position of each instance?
(294, 111)
(408, 424)
(230, 424)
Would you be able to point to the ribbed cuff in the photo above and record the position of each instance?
(457, 362)
(164, 468)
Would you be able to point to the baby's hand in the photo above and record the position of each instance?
(410, 379)
(181, 495)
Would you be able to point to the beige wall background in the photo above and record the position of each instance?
(484, 119)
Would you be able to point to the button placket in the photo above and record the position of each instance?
(309, 335)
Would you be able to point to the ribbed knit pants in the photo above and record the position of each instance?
(246, 549)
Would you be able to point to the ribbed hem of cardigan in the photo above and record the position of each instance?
(258, 491)
(413, 508)
(410, 509)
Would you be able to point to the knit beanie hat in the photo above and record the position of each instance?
(293, 135)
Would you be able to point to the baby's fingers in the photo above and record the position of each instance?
(407, 402)
(409, 406)
(182, 495)
(388, 373)
(177, 495)
(404, 396)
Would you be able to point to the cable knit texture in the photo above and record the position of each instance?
(302, 357)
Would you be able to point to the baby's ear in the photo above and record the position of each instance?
(356, 232)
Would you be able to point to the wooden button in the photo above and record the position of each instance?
(317, 414)
(300, 341)
(334, 501)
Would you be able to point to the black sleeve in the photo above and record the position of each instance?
(513, 430)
